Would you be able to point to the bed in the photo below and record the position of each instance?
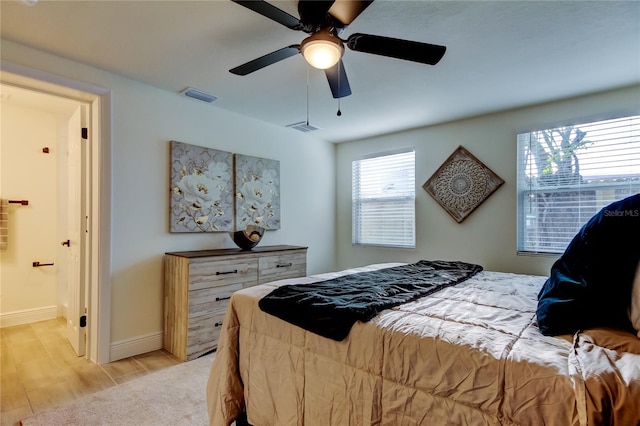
(467, 354)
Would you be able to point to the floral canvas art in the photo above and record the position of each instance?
(257, 192)
(201, 189)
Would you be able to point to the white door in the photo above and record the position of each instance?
(76, 326)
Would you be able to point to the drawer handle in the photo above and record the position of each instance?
(235, 271)
(218, 324)
(222, 298)
(284, 265)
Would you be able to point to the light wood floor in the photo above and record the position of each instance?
(39, 370)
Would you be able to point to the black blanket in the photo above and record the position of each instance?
(330, 308)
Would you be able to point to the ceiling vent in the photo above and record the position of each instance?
(303, 126)
(199, 95)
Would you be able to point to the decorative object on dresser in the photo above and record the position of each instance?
(462, 183)
(201, 189)
(199, 284)
(248, 238)
(257, 189)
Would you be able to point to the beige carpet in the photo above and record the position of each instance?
(173, 396)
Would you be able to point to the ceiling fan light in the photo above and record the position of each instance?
(322, 54)
(322, 50)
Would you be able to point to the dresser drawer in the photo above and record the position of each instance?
(211, 300)
(206, 273)
(206, 313)
(202, 334)
(282, 265)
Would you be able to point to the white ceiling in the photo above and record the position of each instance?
(500, 55)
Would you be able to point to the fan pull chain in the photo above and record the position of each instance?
(339, 113)
(307, 95)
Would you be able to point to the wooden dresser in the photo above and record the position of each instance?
(199, 284)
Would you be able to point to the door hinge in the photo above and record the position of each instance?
(83, 321)
(85, 133)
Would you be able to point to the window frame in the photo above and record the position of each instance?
(356, 234)
(523, 191)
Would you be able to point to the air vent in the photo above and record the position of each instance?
(199, 95)
(303, 126)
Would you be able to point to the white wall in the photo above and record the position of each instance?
(30, 174)
(141, 190)
(488, 235)
(144, 120)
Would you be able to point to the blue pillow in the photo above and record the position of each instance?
(590, 284)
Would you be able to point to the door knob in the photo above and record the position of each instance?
(66, 243)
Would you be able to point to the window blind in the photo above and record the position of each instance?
(383, 200)
(567, 174)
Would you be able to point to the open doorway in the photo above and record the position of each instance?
(45, 174)
(80, 257)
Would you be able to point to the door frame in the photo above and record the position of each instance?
(99, 99)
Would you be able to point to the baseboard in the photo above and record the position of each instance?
(27, 316)
(136, 346)
(62, 311)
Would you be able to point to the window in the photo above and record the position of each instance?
(383, 198)
(567, 174)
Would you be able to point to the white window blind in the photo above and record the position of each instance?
(568, 174)
(383, 198)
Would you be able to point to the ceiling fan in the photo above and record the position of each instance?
(323, 48)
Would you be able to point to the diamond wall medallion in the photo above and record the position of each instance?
(462, 183)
